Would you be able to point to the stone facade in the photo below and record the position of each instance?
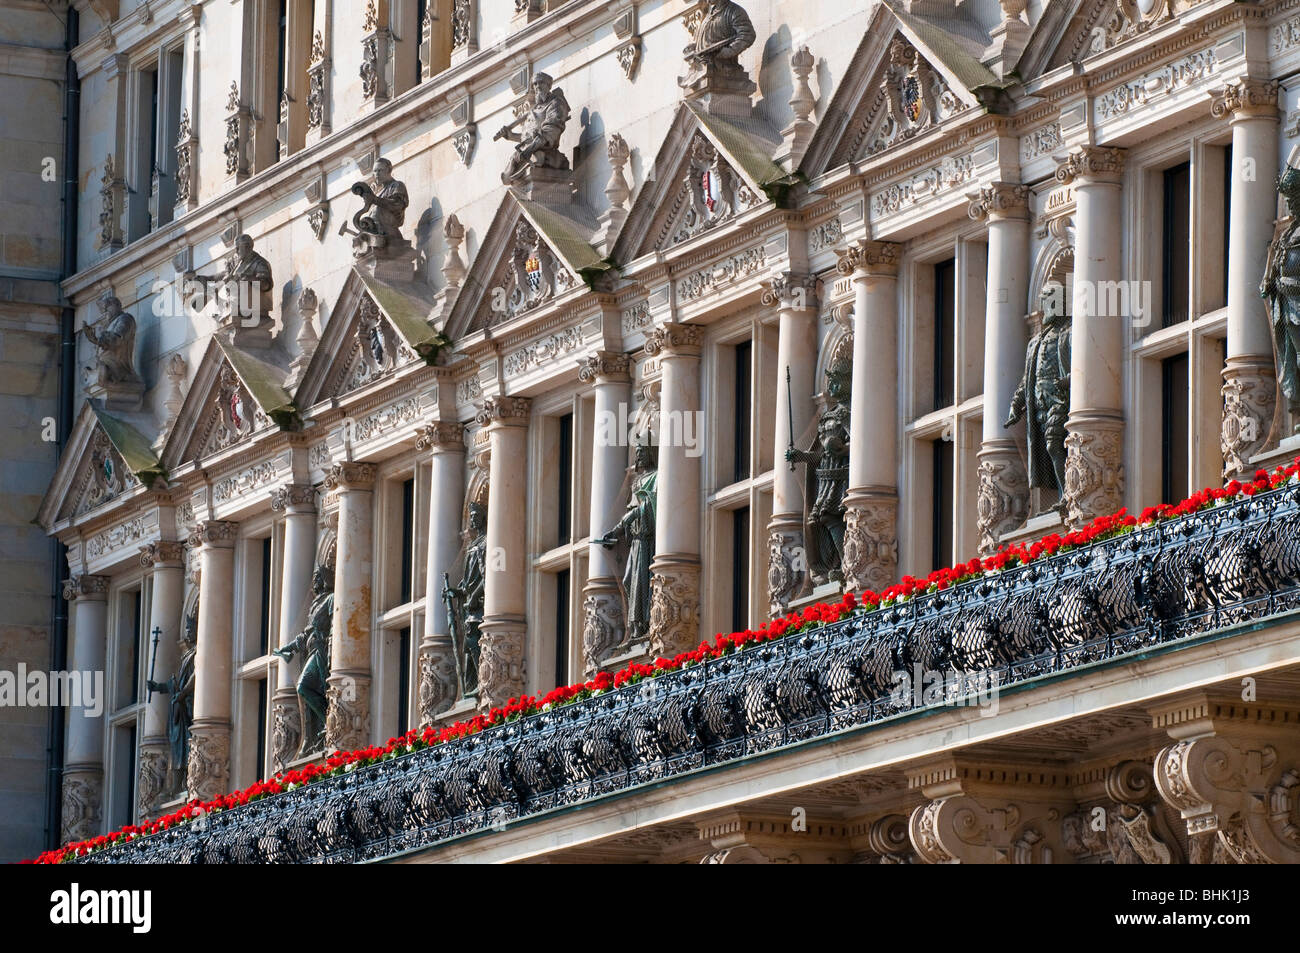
(701, 266)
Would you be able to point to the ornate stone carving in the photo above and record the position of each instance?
(602, 629)
(501, 665)
(317, 86)
(208, 775)
(438, 682)
(871, 257)
(915, 97)
(1094, 471)
(1000, 200)
(236, 414)
(538, 142)
(186, 168)
(1094, 162)
(1245, 97)
(542, 352)
(499, 409)
(441, 435)
(674, 608)
(784, 568)
(629, 56)
(723, 32)
(672, 337)
(714, 192)
(111, 189)
(533, 274)
(347, 719)
(870, 543)
(296, 495)
(1003, 500)
(286, 731)
(378, 232)
(963, 829)
(1249, 398)
(351, 475)
(604, 365)
(83, 793)
(151, 780)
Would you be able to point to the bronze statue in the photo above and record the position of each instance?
(543, 125)
(824, 486)
(1281, 288)
(380, 228)
(637, 530)
(180, 702)
(723, 34)
(114, 340)
(314, 642)
(464, 602)
(1043, 397)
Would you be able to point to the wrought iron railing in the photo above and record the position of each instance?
(1168, 583)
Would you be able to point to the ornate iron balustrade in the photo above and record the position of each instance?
(1175, 581)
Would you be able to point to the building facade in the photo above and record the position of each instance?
(438, 353)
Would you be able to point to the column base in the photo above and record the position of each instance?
(787, 562)
(152, 774)
(439, 689)
(1003, 502)
(347, 711)
(870, 540)
(83, 798)
(208, 774)
(286, 727)
(674, 605)
(603, 633)
(501, 660)
(1249, 400)
(1094, 466)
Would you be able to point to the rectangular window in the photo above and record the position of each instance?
(1176, 254)
(421, 12)
(151, 79)
(741, 410)
(403, 680)
(408, 540)
(281, 65)
(260, 768)
(942, 504)
(1174, 426)
(945, 314)
(740, 569)
(124, 760)
(565, 482)
(562, 627)
(264, 609)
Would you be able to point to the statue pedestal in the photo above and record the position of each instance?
(545, 184)
(257, 335)
(118, 396)
(722, 92)
(388, 263)
(1282, 455)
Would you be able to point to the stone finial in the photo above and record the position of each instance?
(307, 338)
(617, 190)
(453, 266)
(802, 102)
(174, 370)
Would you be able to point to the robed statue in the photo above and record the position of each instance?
(636, 530)
(826, 479)
(1281, 288)
(379, 220)
(114, 339)
(538, 142)
(723, 34)
(1043, 398)
(313, 642)
(179, 689)
(464, 601)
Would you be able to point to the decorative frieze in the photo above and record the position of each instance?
(870, 543)
(732, 269)
(543, 351)
(468, 390)
(243, 482)
(951, 172)
(674, 609)
(825, 235)
(1144, 90)
(1043, 141)
(118, 537)
(635, 318)
(1002, 503)
(1094, 471)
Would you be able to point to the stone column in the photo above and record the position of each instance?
(83, 768)
(501, 667)
(167, 559)
(1249, 376)
(675, 571)
(871, 503)
(438, 684)
(347, 717)
(209, 767)
(795, 297)
(1094, 464)
(603, 624)
(1003, 483)
(298, 503)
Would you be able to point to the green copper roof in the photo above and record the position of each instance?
(265, 383)
(569, 239)
(136, 452)
(409, 313)
(748, 150)
(969, 71)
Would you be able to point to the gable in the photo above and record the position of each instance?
(1100, 25)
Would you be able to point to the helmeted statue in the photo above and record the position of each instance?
(179, 689)
(379, 221)
(826, 479)
(314, 642)
(723, 34)
(464, 601)
(114, 339)
(1281, 288)
(538, 143)
(637, 530)
(1043, 397)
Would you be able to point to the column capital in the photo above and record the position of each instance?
(604, 367)
(1001, 201)
(163, 553)
(87, 587)
(1094, 163)
(1245, 99)
(869, 258)
(505, 411)
(213, 533)
(675, 340)
(294, 497)
(351, 476)
(442, 436)
(791, 291)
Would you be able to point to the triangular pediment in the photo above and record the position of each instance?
(532, 253)
(1087, 28)
(377, 327)
(709, 170)
(908, 75)
(105, 457)
(234, 395)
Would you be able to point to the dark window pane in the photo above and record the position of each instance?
(403, 681)
(740, 570)
(408, 540)
(942, 497)
(945, 312)
(565, 481)
(264, 619)
(1176, 269)
(1176, 398)
(562, 627)
(741, 411)
(261, 730)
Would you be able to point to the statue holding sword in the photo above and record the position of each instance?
(538, 143)
(723, 34)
